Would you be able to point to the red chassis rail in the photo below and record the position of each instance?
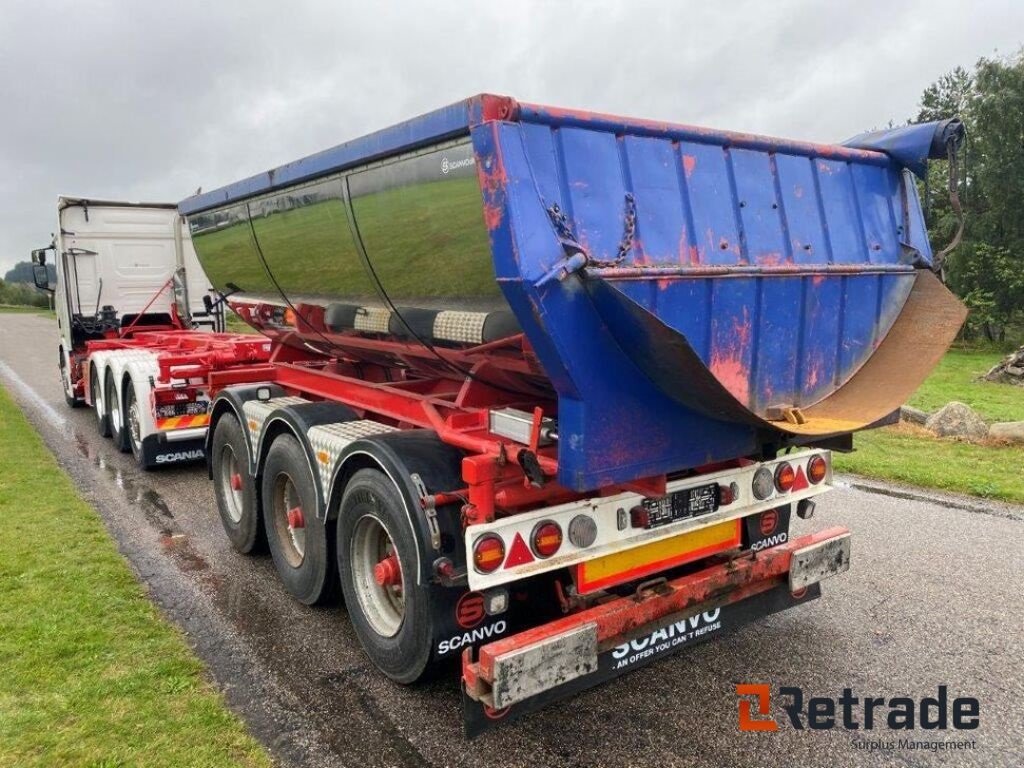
(456, 411)
(617, 620)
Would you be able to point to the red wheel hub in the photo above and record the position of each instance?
(236, 482)
(295, 518)
(388, 572)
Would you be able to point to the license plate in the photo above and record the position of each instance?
(687, 503)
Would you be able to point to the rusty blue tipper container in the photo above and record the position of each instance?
(691, 295)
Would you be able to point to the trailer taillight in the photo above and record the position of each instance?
(763, 484)
(785, 476)
(727, 494)
(583, 531)
(817, 468)
(488, 553)
(546, 538)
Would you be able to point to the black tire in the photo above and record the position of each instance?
(303, 555)
(118, 431)
(102, 419)
(239, 510)
(133, 425)
(65, 383)
(402, 653)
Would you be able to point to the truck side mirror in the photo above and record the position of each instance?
(39, 256)
(41, 277)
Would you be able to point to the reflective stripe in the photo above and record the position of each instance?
(183, 422)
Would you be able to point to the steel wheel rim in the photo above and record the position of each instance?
(293, 539)
(228, 469)
(97, 399)
(383, 606)
(134, 427)
(115, 412)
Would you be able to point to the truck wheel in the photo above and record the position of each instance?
(102, 419)
(118, 432)
(133, 424)
(65, 381)
(235, 488)
(391, 614)
(297, 538)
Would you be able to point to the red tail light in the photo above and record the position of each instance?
(785, 475)
(817, 468)
(488, 553)
(546, 538)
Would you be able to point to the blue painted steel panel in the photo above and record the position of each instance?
(761, 274)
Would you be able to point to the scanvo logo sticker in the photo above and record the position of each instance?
(453, 165)
(853, 712)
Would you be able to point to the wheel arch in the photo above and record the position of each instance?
(297, 420)
(231, 401)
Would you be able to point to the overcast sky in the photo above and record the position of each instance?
(133, 100)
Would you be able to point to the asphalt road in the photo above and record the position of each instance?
(935, 596)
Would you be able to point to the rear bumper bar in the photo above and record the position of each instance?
(592, 646)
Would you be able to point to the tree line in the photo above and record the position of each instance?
(987, 269)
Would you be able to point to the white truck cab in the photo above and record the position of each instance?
(123, 269)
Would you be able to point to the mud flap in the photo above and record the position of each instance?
(664, 639)
(157, 451)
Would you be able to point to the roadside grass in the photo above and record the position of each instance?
(25, 309)
(90, 673)
(913, 455)
(955, 378)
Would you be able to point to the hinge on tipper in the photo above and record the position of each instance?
(788, 413)
(575, 257)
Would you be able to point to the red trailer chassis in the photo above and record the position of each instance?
(503, 479)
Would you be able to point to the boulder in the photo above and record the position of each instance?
(1009, 370)
(1011, 431)
(913, 415)
(957, 420)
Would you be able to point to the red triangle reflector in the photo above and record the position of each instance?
(518, 553)
(800, 481)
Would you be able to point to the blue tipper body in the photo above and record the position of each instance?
(691, 294)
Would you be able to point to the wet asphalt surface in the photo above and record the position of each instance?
(935, 596)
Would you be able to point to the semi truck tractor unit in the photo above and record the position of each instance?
(139, 326)
(547, 388)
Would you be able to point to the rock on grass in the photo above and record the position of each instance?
(957, 420)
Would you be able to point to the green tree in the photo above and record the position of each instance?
(987, 270)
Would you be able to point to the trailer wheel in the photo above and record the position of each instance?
(102, 419)
(235, 488)
(133, 424)
(118, 432)
(392, 615)
(298, 540)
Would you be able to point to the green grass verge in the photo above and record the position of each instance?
(955, 378)
(90, 673)
(916, 456)
(19, 309)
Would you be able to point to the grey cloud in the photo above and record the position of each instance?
(144, 100)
